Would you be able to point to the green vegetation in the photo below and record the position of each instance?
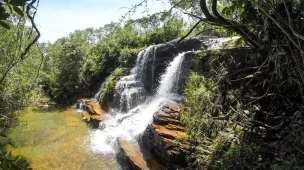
(75, 62)
(14, 163)
(224, 128)
(109, 86)
(19, 62)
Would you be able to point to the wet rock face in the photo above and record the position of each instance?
(165, 137)
(160, 56)
(92, 113)
(136, 156)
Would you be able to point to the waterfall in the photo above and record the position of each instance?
(217, 43)
(97, 95)
(130, 125)
(170, 79)
(129, 90)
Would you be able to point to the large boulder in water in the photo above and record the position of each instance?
(93, 112)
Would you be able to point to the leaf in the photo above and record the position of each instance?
(2, 9)
(5, 25)
(249, 76)
(18, 11)
(214, 134)
(17, 2)
(4, 16)
(255, 1)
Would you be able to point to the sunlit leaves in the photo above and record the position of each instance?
(8, 8)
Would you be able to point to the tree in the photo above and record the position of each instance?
(13, 17)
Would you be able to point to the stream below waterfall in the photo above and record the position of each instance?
(56, 138)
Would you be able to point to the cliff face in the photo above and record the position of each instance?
(166, 138)
(165, 54)
(107, 95)
(160, 56)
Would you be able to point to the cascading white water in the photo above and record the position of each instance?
(170, 79)
(128, 126)
(97, 95)
(129, 90)
(81, 106)
(217, 43)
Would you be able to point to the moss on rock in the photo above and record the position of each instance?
(108, 91)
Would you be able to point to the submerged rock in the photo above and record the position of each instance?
(165, 137)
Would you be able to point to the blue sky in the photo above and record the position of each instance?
(57, 18)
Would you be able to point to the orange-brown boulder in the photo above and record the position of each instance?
(165, 137)
(94, 108)
(86, 116)
(137, 156)
(82, 100)
(92, 111)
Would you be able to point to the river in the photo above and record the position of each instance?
(56, 139)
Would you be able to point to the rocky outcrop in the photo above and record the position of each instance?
(137, 157)
(92, 113)
(165, 137)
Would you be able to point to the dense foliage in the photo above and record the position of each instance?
(250, 114)
(75, 62)
(19, 62)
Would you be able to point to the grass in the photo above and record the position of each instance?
(217, 122)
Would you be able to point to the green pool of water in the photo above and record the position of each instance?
(56, 139)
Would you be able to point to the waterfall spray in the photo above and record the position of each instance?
(130, 125)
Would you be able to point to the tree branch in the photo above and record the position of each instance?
(28, 8)
(190, 31)
(206, 12)
(281, 28)
(290, 24)
(242, 30)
